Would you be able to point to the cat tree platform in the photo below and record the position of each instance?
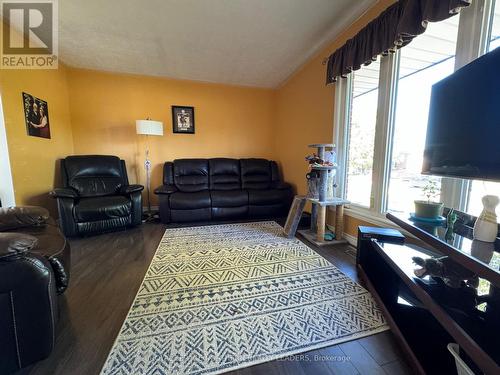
(316, 233)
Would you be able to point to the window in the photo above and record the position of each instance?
(426, 60)
(494, 40)
(478, 189)
(381, 169)
(361, 135)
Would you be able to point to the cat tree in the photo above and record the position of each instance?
(316, 233)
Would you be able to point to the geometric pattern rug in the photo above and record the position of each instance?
(222, 297)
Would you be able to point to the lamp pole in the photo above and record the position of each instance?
(147, 166)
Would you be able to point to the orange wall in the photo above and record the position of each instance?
(33, 159)
(305, 108)
(229, 121)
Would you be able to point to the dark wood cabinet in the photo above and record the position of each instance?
(425, 314)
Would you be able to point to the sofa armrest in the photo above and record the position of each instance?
(22, 216)
(281, 185)
(134, 193)
(129, 189)
(165, 189)
(14, 245)
(64, 193)
(163, 192)
(33, 308)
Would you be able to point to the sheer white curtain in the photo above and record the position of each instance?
(6, 185)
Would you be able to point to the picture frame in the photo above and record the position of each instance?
(36, 116)
(183, 119)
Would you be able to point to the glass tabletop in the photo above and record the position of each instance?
(459, 235)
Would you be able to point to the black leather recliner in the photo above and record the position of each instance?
(34, 268)
(96, 196)
(222, 189)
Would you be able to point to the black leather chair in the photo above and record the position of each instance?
(34, 268)
(96, 196)
(222, 189)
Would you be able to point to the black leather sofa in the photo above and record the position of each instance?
(96, 196)
(34, 268)
(222, 189)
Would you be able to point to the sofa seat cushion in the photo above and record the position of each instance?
(268, 197)
(229, 213)
(229, 198)
(102, 208)
(190, 201)
(102, 226)
(189, 216)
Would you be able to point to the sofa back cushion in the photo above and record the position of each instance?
(255, 173)
(224, 174)
(94, 175)
(191, 174)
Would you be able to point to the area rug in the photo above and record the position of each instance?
(222, 297)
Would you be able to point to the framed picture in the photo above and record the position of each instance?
(36, 116)
(183, 119)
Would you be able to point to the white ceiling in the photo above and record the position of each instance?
(242, 42)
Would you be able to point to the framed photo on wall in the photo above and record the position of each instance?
(183, 119)
(36, 116)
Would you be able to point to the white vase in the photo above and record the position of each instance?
(486, 227)
(482, 251)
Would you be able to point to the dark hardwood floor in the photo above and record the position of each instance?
(105, 276)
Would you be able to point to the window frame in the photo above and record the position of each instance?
(474, 31)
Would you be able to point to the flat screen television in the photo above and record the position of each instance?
(463, 133)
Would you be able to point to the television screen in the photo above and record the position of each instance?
(463, 133)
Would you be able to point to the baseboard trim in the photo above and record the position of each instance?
(352, 240)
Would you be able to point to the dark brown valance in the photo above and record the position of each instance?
(394, 28)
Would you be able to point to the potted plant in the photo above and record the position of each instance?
(427, 208)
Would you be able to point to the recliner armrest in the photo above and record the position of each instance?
(66, 199)
(13, 245)
(129, 189)
(281, 185)
(165, 189)
(22, 216)
(64, 193)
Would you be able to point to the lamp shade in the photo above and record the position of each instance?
(149, 127)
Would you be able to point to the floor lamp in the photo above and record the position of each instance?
(148, 127)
